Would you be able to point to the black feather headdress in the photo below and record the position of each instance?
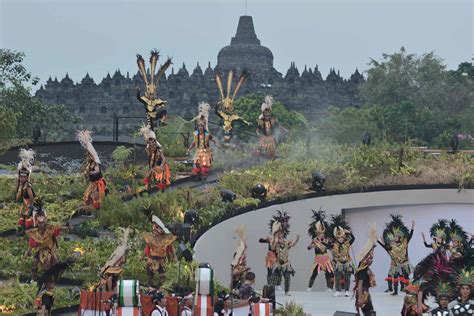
(318, 224)
(283, 219)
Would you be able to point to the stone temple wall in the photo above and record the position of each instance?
(306, 92)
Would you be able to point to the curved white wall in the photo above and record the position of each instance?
(217, 245)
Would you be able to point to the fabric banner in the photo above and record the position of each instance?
(203, 306)
(92, 303)
(128, 311)
(128, 293)
(261, 309)
(204, 281)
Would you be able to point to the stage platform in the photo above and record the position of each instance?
(324, 304)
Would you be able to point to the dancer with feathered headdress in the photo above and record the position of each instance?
(42, 240)
(149, 100)
(463, 304)
(225, 107)
(239, 261)
(24, 190)
(201, 140)
(458, 244)
(364, 277)
(318, 229)
(97, 189)
(395, 239)
(267, 127)
(439, 232)
(279, 229)
(434, 274)
(158, 168)
(340, 249)
(159, 250)
(278, 261)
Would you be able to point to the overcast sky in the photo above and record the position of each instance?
(101, 36)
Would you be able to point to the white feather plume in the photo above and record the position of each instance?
(267, 105)
(85, 139)
(370, 242)
(203, 111)
(27, 158)
(147, 133)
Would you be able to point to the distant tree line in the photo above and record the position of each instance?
(20, 111)
(408, 98)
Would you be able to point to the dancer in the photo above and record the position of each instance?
(24, 190)
(159, 250)
(443, 294)
(149, 100)
(279, 228)
(203, 114)
(267, 127)
(97, 189)
(113, 268)
(201, 140)
(463, 305)
(225, 107)
(439, 231)
(47, 282)
(340, 249)
(413, 302)
(317, 230)
(364, 277)
(434, 269)
(458, 241)
(43, 239)
(239, 262)
(159, 169)
(395, 242)
(283, 266)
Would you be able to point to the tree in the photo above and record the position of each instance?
(346, 125)
(421, 80)
(16, 98)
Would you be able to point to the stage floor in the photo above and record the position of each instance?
(324, 304)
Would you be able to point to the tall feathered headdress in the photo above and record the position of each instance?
(240, 251)
(440, 229)
(227, 101)
(465, 277)
(147, 133)
(395, 228)
(85, 139)
(456, 232)
(339, 225)
(27, 158)
(437, 273)
(369, 245)
(280, 222)
(114, 266)
(267, 105)
(203, 114)
(156, 220)
(318, 225)
(154, 78)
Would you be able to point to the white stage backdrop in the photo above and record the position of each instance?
(217, 245)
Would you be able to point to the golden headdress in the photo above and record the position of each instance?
(152, 83)
(227, 101)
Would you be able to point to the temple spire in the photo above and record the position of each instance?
(245, 32)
